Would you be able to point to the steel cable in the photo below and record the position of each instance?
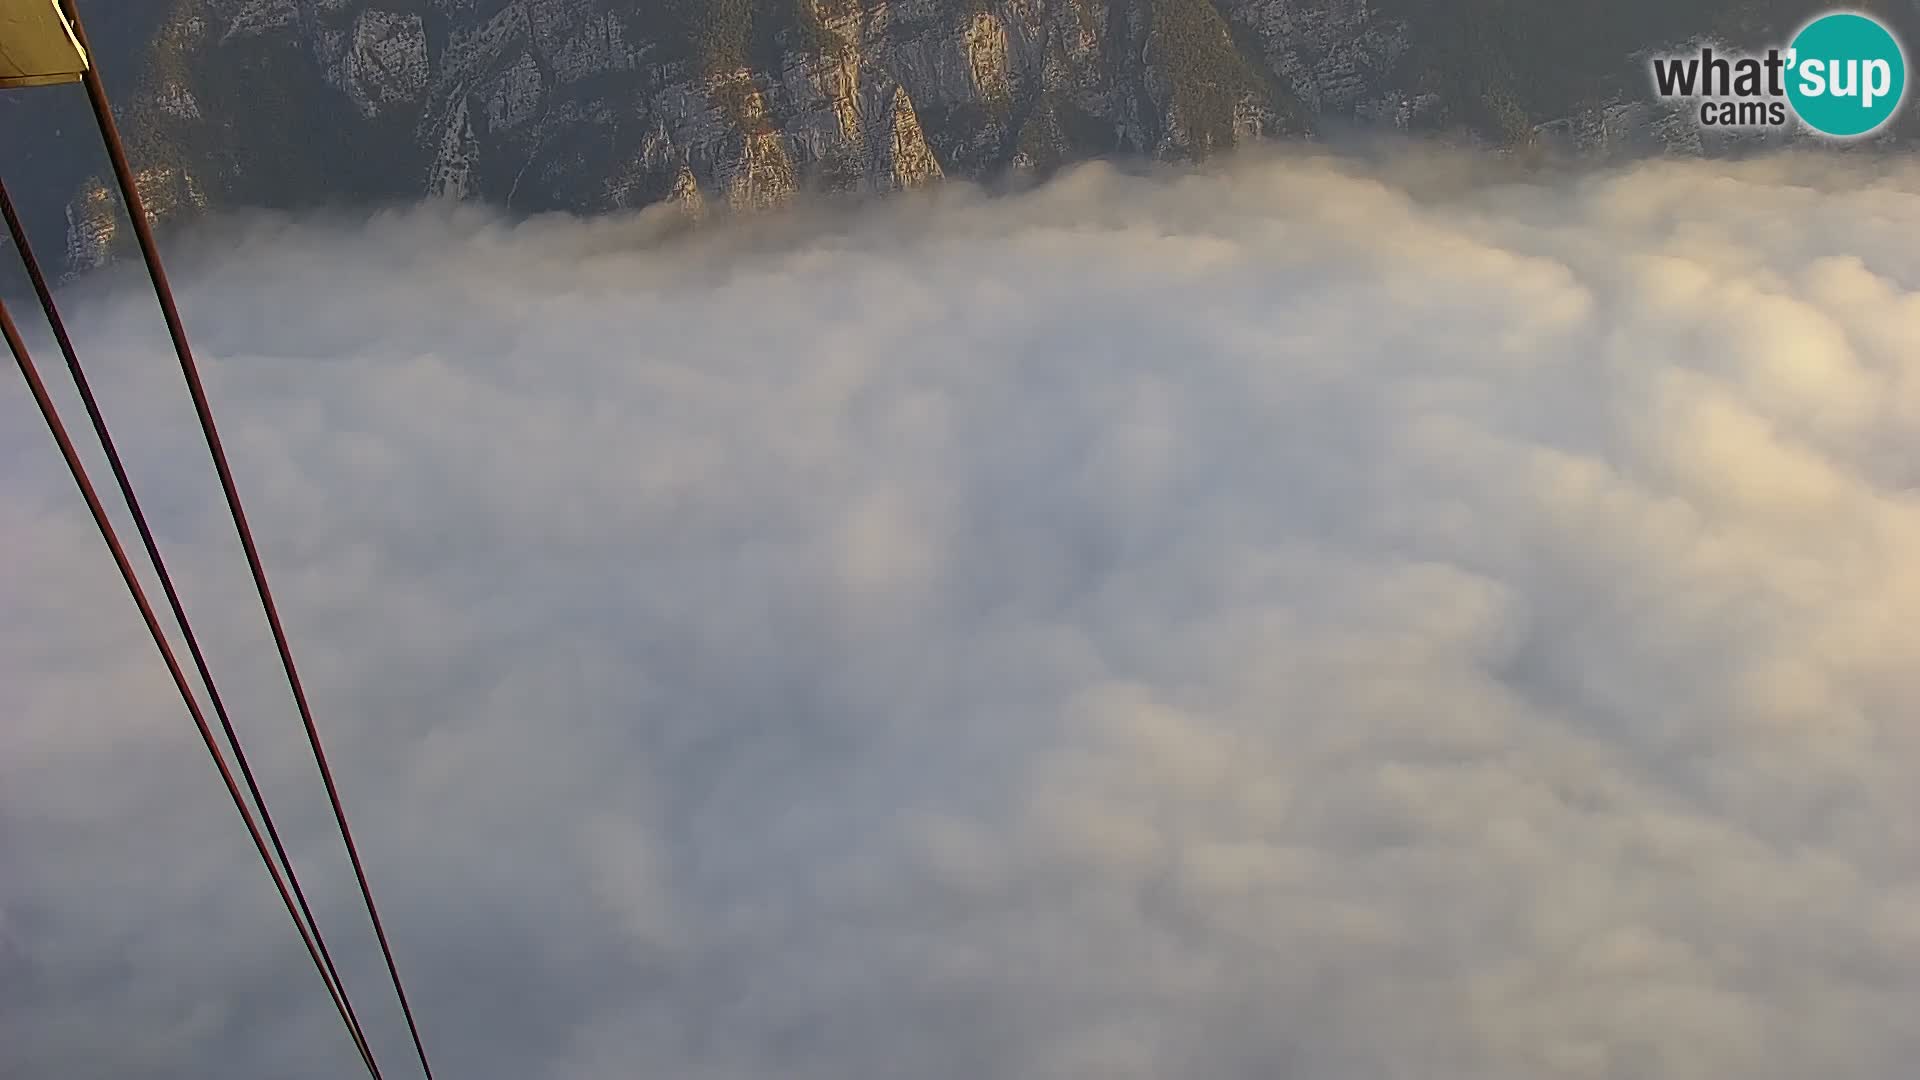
(112, 452)
(74, 465)
(143, 232)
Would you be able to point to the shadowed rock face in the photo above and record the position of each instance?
(592, 105)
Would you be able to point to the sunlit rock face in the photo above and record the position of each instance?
(589, 105)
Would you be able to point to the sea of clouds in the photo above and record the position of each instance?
(1323, 618)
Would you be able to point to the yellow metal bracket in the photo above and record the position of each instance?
(37, 45)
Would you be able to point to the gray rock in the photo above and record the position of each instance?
(588, 105)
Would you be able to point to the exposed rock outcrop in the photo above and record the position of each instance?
(598, 104)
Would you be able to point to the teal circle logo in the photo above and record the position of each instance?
(1846, 75)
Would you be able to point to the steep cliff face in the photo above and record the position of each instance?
(599, 104)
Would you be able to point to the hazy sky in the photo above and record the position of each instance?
(1315, 620)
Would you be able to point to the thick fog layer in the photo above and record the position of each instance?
(1313, 620)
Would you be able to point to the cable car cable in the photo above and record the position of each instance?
(112, 452)
(143, 231)
(51, 415)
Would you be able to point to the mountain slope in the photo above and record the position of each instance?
(596, 104)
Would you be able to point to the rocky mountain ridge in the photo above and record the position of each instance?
(592, 105)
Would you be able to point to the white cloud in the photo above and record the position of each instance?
(1318, 619)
